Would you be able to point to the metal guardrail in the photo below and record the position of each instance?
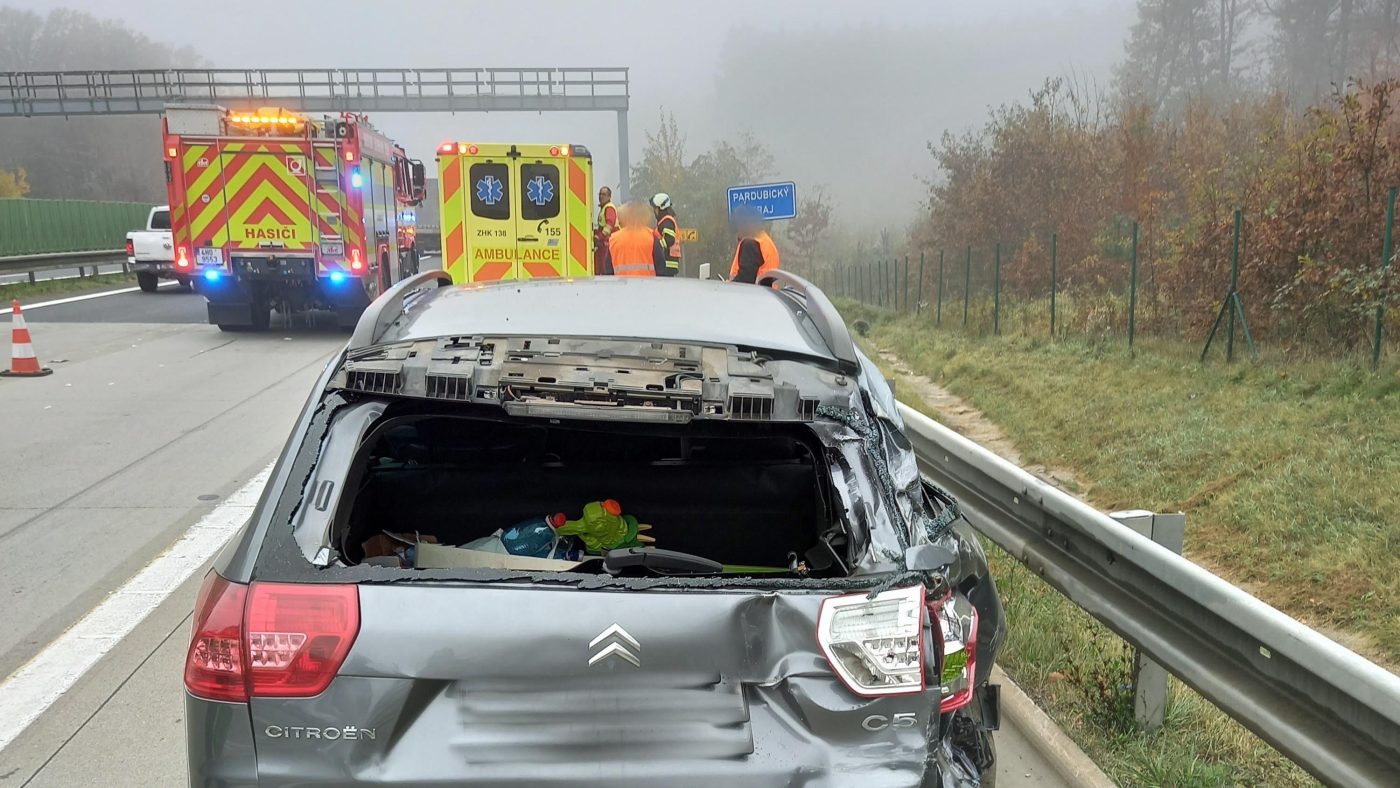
(135, 91)
(1325, 707)
(32, 263)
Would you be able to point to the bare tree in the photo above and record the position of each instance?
(1180, 49)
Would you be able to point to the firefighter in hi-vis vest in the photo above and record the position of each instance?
(756, 254)
(669, 231)
(603, 229)
(636, 248)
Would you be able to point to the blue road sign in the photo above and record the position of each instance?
(769, 200)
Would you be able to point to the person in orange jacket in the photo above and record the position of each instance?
(636, 249)
(756, 254)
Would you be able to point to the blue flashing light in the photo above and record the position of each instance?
(212, 274)
(337, 277)
(356, 178)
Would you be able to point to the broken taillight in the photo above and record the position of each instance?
(269, 639)
(955, 620)
(876, 646)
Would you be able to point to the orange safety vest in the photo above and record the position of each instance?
(766, 247)
(673, 249)
(632, 249)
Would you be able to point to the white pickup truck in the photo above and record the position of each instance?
(152, 252)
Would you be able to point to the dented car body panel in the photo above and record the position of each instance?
(511, 694)
(592, 678)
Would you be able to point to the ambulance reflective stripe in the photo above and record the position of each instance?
(580, 249)
(454, 240)
(491, 264)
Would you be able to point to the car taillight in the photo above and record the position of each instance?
(356, 264)
(876, 646)
(298, 636)
(182, 257)
(955, 620)
(130, 248)
(269, 639)
(214, 664)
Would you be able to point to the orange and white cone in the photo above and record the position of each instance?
(23, 362)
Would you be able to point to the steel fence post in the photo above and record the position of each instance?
(996, 294)
(1053, 251)
(1234, 288)
(905, 284)
(1132, 289)
(967, 285)
(919, 296)
(938, 316)
(1386, 251)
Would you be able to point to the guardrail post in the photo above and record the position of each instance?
(1149, 678)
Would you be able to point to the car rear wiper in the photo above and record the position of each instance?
(661, 562)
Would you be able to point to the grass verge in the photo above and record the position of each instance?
(1282, 471)
(28, 291)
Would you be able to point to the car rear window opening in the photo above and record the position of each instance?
(452, 491)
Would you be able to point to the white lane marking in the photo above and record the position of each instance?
(41, 681)
(89, 296)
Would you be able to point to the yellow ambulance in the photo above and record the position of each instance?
(515, 211)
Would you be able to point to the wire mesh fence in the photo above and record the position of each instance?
(1130, 280)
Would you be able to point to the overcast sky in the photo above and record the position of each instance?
(674, 51)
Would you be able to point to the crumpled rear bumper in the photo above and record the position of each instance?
(750, 737)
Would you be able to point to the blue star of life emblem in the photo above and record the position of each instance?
(539, 190)
(489, 190)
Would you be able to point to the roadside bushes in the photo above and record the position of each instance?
(1312, 186)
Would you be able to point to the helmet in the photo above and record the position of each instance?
(661, 201)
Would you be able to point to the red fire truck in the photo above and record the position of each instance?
(274, 210)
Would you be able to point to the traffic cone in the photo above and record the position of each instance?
(23, 362)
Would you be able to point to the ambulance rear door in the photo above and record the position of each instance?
(539, 224)
(490, 185)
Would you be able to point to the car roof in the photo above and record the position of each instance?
(669, 309)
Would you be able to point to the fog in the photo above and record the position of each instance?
(843, 94)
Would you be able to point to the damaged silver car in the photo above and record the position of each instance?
(599, 533)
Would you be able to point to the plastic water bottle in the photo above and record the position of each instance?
(535, 537)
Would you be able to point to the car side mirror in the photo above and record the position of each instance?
(418, 179)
